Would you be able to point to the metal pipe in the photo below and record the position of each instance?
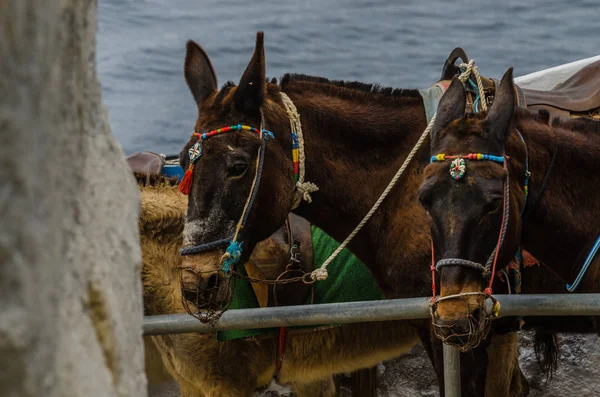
(549, 305)
(289, 316)
(451, 371)
(355, 312)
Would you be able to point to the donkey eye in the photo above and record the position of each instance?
(237, 169)
(493, 206)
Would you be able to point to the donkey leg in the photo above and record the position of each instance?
(322, 388)
(504, 376)
(364, 382)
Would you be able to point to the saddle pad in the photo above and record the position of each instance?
(579, 93)
(349, 281)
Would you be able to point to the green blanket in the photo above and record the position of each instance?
(349, 281)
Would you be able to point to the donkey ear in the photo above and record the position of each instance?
(451, 107)
(199, 73)
(251, 90)
(501, 113)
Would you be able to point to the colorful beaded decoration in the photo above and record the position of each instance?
(295, 156)
(195, 152)
(458, 167)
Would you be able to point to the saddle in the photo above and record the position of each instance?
(147, 163)
(154, 164)
(578, 96)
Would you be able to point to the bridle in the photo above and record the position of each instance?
(458, 168)
(457, 171)
(234, 248)
(302, 189)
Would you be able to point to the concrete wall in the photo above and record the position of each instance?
(70, 292)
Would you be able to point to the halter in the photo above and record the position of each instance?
(302, 189)
(480, 328)
(234, 250)
(458, 168)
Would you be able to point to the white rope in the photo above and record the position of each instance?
(321, 273)
(303, 189)
(471, 69)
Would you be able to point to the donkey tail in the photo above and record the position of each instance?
(546, 349)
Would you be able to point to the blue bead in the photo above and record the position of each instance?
(432, 160)
(239, 126)
(204, 136)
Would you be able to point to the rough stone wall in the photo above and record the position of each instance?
(70, 291)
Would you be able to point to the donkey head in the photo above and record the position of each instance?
(225, 174)
(465, 201)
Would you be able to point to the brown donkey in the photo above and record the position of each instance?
(203, 366)
(355, 137)
(530, 187)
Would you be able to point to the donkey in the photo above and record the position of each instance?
(506, 193)
(355, 137)
(203, 366)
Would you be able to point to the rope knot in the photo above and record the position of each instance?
(319, 274)
(305, 189)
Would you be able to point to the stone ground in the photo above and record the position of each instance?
(578, 374)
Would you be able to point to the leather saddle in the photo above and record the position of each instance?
(152, 164)
(147, 163)
(578, 96)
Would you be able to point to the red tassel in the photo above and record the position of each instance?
(185, 186)
(529, 260)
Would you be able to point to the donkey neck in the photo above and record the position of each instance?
(562, 226)
(353, 148)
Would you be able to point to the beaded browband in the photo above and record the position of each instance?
(195, 152)
(458, 167)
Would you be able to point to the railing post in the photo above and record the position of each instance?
(451, 371)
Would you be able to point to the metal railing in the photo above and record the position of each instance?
(384, 310)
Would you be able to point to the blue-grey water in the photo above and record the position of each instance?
(400, 43)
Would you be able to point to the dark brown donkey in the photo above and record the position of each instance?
(356, 136)
(557, 224)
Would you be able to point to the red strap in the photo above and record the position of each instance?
(280, 349)
(432, 274)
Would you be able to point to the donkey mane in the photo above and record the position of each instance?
(354, 90)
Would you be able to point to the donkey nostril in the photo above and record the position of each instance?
(210, 282)
(190, 292)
